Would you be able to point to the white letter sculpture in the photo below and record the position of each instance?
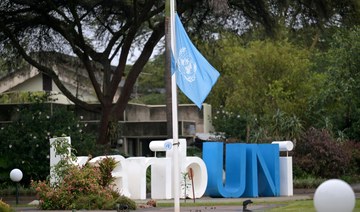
(286, 169)
(130, 173)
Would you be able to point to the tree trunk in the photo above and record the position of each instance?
(315, 40)
(104, 125)
(247, 133)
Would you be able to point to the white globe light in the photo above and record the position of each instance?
(16, 175)
(334, 195)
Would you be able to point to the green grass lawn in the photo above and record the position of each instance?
(305, 205)
(301, 205)
(289, 206)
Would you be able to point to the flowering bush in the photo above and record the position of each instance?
(25, 141)
(230, 124)
(81, 188)
(79, 182)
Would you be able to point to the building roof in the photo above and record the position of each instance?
(69, 69)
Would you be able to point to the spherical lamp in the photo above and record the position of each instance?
(16, 175)
(334, 195)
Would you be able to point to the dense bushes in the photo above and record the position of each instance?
(319, 154)
(25, 141)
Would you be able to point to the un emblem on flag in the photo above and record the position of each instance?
(186, 65)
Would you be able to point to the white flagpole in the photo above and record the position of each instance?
(176, 171)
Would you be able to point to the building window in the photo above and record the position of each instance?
(47, 83)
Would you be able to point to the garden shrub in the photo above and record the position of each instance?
(308, 182)
(5, 207)
(353, 148)
(93, 201)
(125, 201)
(319, 154)
(81, 188)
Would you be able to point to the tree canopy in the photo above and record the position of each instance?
(97, 32)
(338, 103)
(104, 33)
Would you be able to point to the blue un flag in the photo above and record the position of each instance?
(194, 74)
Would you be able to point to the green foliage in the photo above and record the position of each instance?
(8, 189)
(150, 86)
(125, 202)
(5, 207)
(93, 201)
(150, 99)
(106, 166)
(152, 80)
(64, 151)
(285, 127)
(337, 104)
(308, 181)
(10, 60)
(268, 76)
(25, 141)
(236, 127)
(24, 97)
(194, 151)
(148, 179)
(230, 124)
(185, 184)
(267, 83)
